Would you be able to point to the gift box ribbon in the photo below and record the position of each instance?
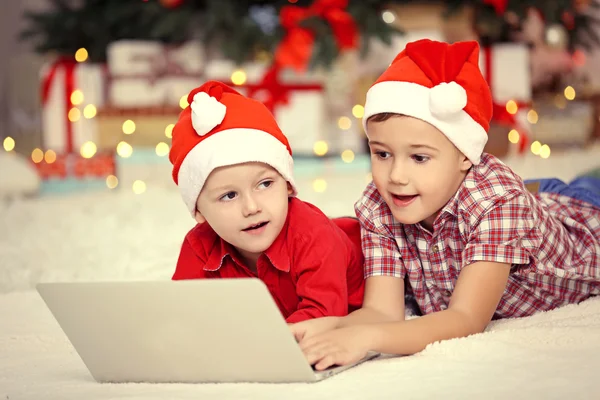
(68, 65)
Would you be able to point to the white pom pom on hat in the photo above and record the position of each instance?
(207, 113)
(447, 99)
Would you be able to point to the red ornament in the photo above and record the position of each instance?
(171, 3)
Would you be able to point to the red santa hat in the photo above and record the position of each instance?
(441, 84)
(221, 127)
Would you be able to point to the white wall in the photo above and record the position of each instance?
(11, 23)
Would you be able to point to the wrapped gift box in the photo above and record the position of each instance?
(153, 125)
(68, 172)
(563, 123)
(149, 74)
(71, 93)
(303, 115)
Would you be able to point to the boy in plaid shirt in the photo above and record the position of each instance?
(454, 226)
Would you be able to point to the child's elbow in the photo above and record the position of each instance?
(471, 324)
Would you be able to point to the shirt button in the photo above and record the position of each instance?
(435, 248)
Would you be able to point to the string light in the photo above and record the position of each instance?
(348, 156)
(545, 151)
(513, 136)
(536, 147)
(88, 150)
(139, 187)
(532, 117)
(81, 55)
(90, 111)
(320, 148)
(128, 127)
(569, 93)
(511, 107)
(50, 156)
(358, 111)
(77, 97)
(238, 77)
(169, 131)
(37, 155)
(112, 181)
(124, 149)
(162, 149)
(319, 185)
(74, 114)
(388, 17)
(8, 143)
(344, 123)
(183, 103)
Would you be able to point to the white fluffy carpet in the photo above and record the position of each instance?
(549, 356)
(122, 236)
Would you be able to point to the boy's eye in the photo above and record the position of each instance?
(228, 196)
(419, 158)
(382, 154)
(265, 184)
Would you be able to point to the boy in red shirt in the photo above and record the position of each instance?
(233, 166)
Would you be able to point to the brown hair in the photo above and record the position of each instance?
(383, 117)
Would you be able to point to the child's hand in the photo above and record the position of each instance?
(338, 347)
(305, 329)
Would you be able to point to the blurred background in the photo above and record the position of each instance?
(90, 90)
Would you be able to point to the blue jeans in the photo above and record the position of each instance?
(585, 188)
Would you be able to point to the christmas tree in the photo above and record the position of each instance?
(241, 30)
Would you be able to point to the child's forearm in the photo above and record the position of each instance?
(412, 336)
(364, 316)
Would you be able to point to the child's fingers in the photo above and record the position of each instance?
(297, 331)
(319, 352)
(326, 362)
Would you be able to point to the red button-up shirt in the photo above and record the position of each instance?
(314, 268)
(552, 242)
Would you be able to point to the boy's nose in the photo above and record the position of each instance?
(250, 206)
(398, 175)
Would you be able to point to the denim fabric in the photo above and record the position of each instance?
(585, 188)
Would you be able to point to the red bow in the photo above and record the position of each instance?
(296, 47)
(272, 92)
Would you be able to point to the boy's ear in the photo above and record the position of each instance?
(199, 218)
(290, 190)
(465, 164)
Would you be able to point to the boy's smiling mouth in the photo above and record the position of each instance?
(403, 200)
(256, 226)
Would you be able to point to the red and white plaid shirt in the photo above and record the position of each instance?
(552, 242)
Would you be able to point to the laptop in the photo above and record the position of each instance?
(192, 331)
